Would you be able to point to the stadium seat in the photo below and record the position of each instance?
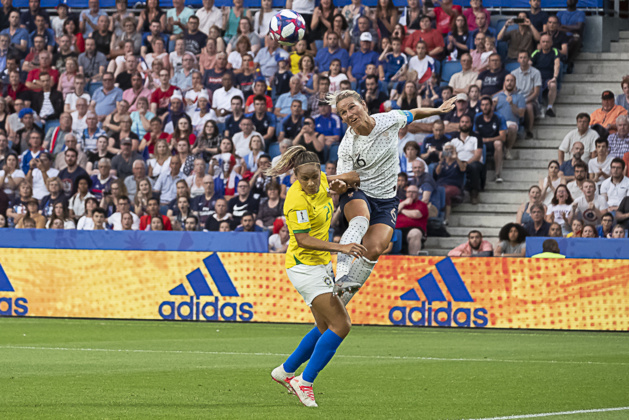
(501, 23)
(512, 66)
(50, 124)
(92, 87)
(437, 67)
(449, 68)
(502, 48)
(274, 149)
(397, 242)
(438, 199)
(333, 155)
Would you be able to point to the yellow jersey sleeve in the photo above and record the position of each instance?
(297, 216)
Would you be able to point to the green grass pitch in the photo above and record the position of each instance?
(91, 369)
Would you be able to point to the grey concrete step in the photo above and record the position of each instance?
(623, 34)
(485, 207)
(578, 99)
(537, 144)
(507, 197)
(571, 111)
(619, 47)
(556, 132)
(461, 232)
(481, 220)
(525, 164)
(602, 67)
(590, 78)
(606, 56)
(569, 122)
(535, 154)
(593, 89)
(522, 186)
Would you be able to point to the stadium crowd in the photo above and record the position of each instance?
(158, 119)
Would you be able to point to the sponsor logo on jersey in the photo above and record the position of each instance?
(13, 305)
(437, 310)
(204, 304)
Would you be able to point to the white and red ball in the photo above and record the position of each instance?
(287, 27)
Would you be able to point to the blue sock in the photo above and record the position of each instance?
(303, 351)
(323, 352)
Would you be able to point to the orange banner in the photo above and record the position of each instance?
(420, 291)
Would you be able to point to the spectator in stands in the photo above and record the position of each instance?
(221, 99)
(166, 184)
(62, 214)
(572, 22)
(242, 139)
(39, 172)
(523, 39)
(19, 36)
(161, 96)
(606, 227)
(492, 80)
(243, 203)
(328, 124)
(263, 121)
(220, 214)
(31, 214)
(359, 60)
(271, 207)
(434, 143)
(619, 141)
(469, 148)
(70, 142)
(122, 163)
(537, 16)
(457, 38)
(333, 51)
(284, 102)
(566, 170)
(23, 136)
(590, 207)
(55, 195)
(102, 181)
(292, 124)
(559, 208)
(599, 168)
(247, 224)
(576, 186)
(183, 76)
(278, 242)
(512, 239)
(550, 182)
(92, 63)
(537, 226)
(106, 97)
(79, 117)
(48, 102)
(493, 130)
(267, 62)
(616, 187)
(79, 194)
(233, 120)
(209, 15)
(152, 210)
(33, 152)
(554, 231)
(203, 205)
(393, 62)
(589, 231)
(547, 61)
(482, 27)
(461, 81)
(191, 223)
(623, 99)
(421, 63)
(523, 215)
(528, 82)
(475, 246)
(54, 141)
(512, 106)
(228, 178)
(45, 62)
(618, 232)
(422, 179)
(180, 212)
(363, 25)
(583, 134)
(374, 97)
(139, 174)
(123, 206)
(622, 213)
(560, 39)
(435, 44)
(412, 221)
(450, 173)
(452, 119)
(89, 17)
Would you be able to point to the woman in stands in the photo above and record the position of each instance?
(473, 95)
(71, 28)
(559, 207)
(512, 243)
(524, 214)
(141, 199)
(409, 98)
(86, 222)
(549, 183)
(151, 12)
(457, 38)
(307, 76)
(11, 176)
(577, 229)
(195, 179)
(270, 207)
(208, 141)
(589, 231)
(322, 20)
(62, 212)
(340, 26)
(245, 29)
(308, 210)
(387, 15)
(81, 188)
(256, 146)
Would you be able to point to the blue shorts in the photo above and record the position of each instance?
(381, 210)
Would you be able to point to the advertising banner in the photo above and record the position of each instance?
(249, 287)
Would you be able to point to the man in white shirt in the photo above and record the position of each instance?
(469, 148)
(590, 207)
(422, 63)
(528, 81)
(166, 184)
(461, 81)
(79, 117)
(209, 16)
(599, 168)
(123, 206)
(584, 134)
(221, 99)
(576, 185)
(241, 140)
(616, 187)
(40, 170)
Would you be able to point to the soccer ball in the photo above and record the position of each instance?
(287, 27)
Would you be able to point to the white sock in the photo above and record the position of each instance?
(359, 273)
(354, 234)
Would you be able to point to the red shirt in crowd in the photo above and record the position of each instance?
(34, 75)
(433, 39)
(162, 98)
(404, 221)
(444, 20)
(151, 146)
(146, 221)
(191, 139)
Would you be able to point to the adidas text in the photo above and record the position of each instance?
(427, 316)
(197, 310)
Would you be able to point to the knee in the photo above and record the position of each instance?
(374, 251)
(498, 145)
(342, 326)
(415, 235)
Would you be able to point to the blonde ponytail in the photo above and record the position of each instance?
(292, 158)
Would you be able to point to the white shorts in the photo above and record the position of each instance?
(512, 124)
(311, 280)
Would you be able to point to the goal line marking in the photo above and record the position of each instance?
(558, 413)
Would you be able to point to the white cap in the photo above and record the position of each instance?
(177, 95)
(366, 36)
(204, 94)
(462, 97)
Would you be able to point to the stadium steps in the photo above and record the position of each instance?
(623, 35)
(580, 92)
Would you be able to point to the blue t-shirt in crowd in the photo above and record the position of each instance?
(567, 168)
(545, 62)
(393, 64)
(328, 126)
(504, 108)
(491, 128)
(324, 58)
(359, 62)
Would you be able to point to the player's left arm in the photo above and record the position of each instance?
(421, 113)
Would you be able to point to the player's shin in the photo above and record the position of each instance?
(303, 351)
(323, 353)
(354, 234)
(358, 273)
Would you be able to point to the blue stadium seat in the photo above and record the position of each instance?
(438, 199)
(92, 87)
(437, 67)
(333, 156)
(501, 23)
(512, 66)
(274, 149)
(449, 68)
(502, 48)
(396, 239)
(50, 124)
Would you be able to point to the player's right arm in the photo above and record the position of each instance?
(421, 113)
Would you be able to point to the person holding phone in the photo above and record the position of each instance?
(450, 174)
(525, 38)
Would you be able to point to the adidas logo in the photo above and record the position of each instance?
(11, 306)
(427, 315)
(196, 307)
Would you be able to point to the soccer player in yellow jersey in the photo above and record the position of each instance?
(308, 210)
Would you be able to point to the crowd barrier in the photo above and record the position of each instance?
(602, 248)
(505, 4)
(249, 287)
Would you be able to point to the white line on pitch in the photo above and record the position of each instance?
(558, 413)
(346, 356)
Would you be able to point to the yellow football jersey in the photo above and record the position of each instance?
(308, 214)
